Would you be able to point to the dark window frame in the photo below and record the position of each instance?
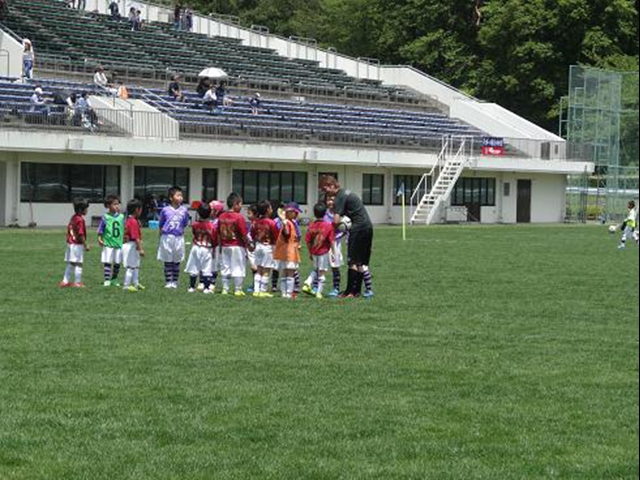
(410, 181)
(274, 184)
(368, 187)
(463, 192)
(174, 182)
(30, 170)
(205, 188)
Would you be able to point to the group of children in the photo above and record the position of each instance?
(223, 243)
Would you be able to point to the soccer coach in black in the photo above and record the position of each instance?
(348, 204)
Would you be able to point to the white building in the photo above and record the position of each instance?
(41, 170)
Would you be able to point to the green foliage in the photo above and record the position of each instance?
(506, 352)
(517, 53)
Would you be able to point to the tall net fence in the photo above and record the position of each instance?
(602, 117)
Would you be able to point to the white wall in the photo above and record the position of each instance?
(548, 190)
(10, 56)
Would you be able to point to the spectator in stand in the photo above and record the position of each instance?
(114, 10)
(86, 113)
(188, 20)
(28, 59)
(223, 96)
(38, 102)
(175, 90)
(210, 100)
(100, 78)
(177, 14)
(4, 9)
(123, 91)
(136, 23)
(256, 104)
(203, 86)
(82, 4)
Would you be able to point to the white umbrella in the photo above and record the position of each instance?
(213, 72)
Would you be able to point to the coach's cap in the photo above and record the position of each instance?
(293, 206)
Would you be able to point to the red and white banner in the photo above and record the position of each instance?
(492, 146)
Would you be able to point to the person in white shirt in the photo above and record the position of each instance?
(28, 59)
(38, 102)
(100, 78)
(210, 99)
(629, 225)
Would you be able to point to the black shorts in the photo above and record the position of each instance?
(359, 251)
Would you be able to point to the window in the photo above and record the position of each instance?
(61, 183)
(157, 181)
(474, 191)
(209, 184)
(255, 185)
(373, 189)
(410, 183)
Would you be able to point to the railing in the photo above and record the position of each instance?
(423, 186)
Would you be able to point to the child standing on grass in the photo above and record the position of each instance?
(110, 238)
(76, 245)
(287, 251)
(264, 234)
(629, 225)
(201, 257)
(232, 239)
(132, 247)
(335, 256)
(174, 218)
(320, 241)
(252, 216)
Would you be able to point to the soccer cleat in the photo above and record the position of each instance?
(141, 287)
(130, 288)
(174, 285)
(306, 288)
(191, 290)
(239, 293)
(319, 296)
(368, 294)
(114, 283)
(224, 292)
(208, 291)
(65, 284)
(168, 286)
(621, 247)
(333, 293)
(78, 285)
(107, 283)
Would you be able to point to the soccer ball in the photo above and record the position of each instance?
(345, 224)
(612, 229)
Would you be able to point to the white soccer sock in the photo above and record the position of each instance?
(128, 276)
(321, 280)
(226, 282)
(67, 274)
(136, 277)
(284, 282)
(257, 283)
(78, 273)
(264, 284)
(311, 278)
(291, 283)
(237, 282)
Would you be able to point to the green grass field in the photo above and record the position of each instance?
(487, 353)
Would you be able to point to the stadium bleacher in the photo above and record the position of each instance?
(84, 39)
(277, 118)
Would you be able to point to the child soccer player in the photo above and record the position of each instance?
(76, 245)
(335, 256)
(132, 247)
(174, 218)
(287, 250)
(252, 216)
(264, 234)
(629, 225)
(201, 257)
(110, 238)
(320, 240)
(232, 239)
